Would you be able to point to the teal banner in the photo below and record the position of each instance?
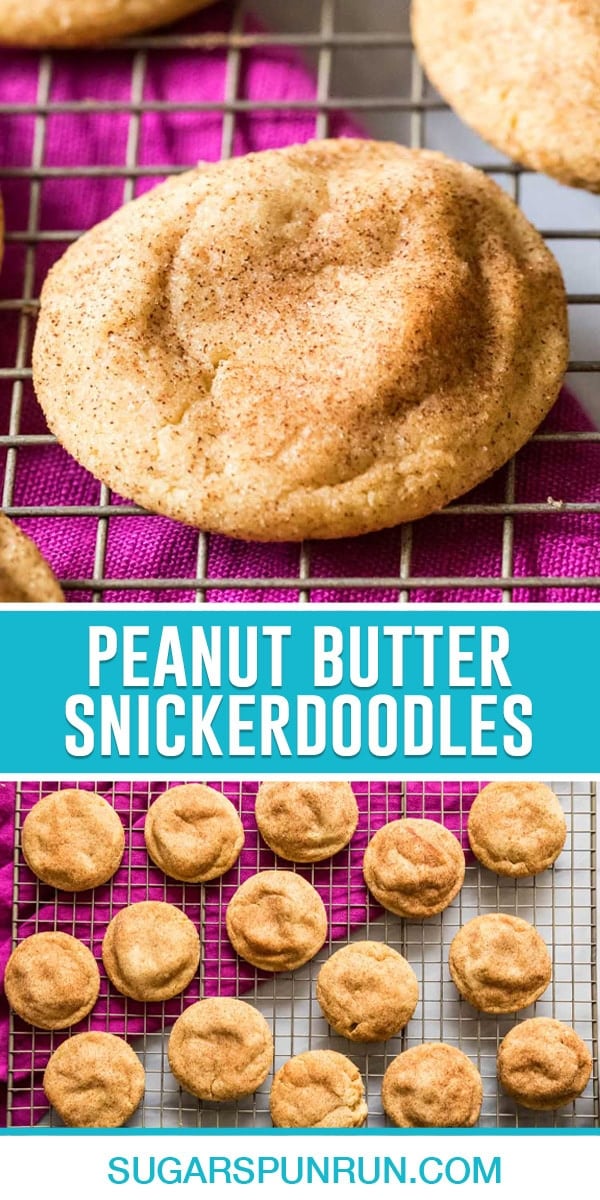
(300, 689)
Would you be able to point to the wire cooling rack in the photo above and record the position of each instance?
(349, 63)
(561, 903)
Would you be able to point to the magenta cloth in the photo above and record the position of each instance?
(338, 880)
(549, 544)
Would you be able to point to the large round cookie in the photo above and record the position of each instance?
(317, 341)
(306, 821)
(74, 23)
(499, 963)
(193, 833)
(94, 1080)
(433, 1085)
(25, 576)
(151, 951)
(276, 920)
(517, 828)
(221, 1049)
(543, 1063)
(73, 839)
(524, 74)
(367, 991)
(52, 980)
(414, 867)
(318, 1089)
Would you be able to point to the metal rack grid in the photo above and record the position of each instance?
(561, 903)
(313, 573)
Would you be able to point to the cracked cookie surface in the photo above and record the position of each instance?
(367, 991)
(499, 963)
(517, 829)
(52, 980)
(543, 1063)
(318, 341)
(221, 1049)
(94, 1080)
(433, 1085)
(276, 920)
(319, 1089)
(193, 833)
(73, 840)
(305, 821)
(151, 951)
(414, 867)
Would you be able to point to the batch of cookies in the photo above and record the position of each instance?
(328, 339)
(221, 1048)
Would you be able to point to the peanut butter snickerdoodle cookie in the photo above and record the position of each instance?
(306, 822)
(367, 991)
(193, 833)
(432, 1085)
(52, 980)
(319, 1089)
(277, 921)
(151, 951)
(414, 867)
(221, 1049)
(25, 576)
(543, 1063)
(499, 963)
(94, 1080)
(523, 74)
(73, 840)
(517, 828)
(317, 341)
(73, 23)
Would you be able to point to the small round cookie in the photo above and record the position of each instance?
(367, 991)
(52, 980)
(193, 833)
(306, 822)
(543, 1063)
(94, 1080)
(277, 921)
(151, 951)
(523, 74)
(25, 576)
(433, 1085)
(316, 341)
(319, 1089)
(414, 867)
(221, 1049)
(73, 840)
(70, 23)
(499, 963)
(517, 828)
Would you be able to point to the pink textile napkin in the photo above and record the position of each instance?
(549, 544)
(338, 880)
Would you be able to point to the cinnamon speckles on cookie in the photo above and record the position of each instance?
(318, 341)
(52, 980)
(193, 833)
(318, 1089)
(73, 839)
(94, 1080)
(433, 1085)
(523, 74)
(306, 821)
(500, 963)
(414, 867)
(221, 1049)
(151, 950)
(277, 921)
